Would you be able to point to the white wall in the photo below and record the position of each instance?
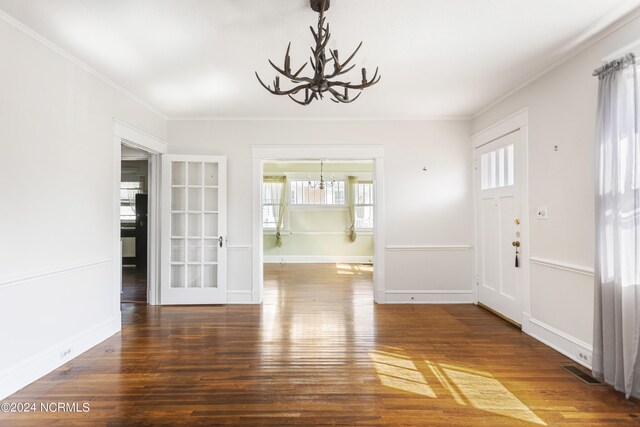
(424, 211)
(562, 111)
(56, 216)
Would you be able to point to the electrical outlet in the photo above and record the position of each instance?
(585, 357)
(65, 353)
(541, 213)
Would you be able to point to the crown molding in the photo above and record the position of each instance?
(66, 55)
(319, 119)
(567, 52)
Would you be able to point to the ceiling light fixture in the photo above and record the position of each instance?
(322, 183)
(323, 80)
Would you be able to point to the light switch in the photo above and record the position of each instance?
(541, 212)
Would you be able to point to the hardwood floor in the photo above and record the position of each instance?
(134, 285)
(318, 351)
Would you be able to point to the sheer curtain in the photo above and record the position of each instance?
(352, 181)
(617, 275)
(278, 194)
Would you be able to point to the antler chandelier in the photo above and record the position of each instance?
(323, 81)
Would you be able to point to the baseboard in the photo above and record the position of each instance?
(19, 376)
(317, 259)
(570, 346)
(239, 297)
(429, 297)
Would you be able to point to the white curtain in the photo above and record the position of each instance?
(351, 192)
(278, 194)
(617, 279)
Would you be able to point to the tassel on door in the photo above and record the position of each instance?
(516, 244)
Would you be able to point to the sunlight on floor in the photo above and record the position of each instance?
(467, 387)
(351, 269)
(400, 373)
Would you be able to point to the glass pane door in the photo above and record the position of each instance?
(196, 223)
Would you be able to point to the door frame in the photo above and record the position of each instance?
(519, 121)
(262, 153)
(130, 136)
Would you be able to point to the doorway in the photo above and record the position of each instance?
(500, 179)
(318, 222)
(265, 154)
(134, 191)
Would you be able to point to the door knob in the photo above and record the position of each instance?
(516, 244)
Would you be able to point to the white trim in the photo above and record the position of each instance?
(501, 128)
(21, 279)
(239, 247)
(35, 367)
(154, 230)
(320, 119)
(66, 55)
(429, 247)
(562, 342)
(138, 138)
(363, 232)
(117, 239)
(317, 152)
(239, 297)
(565, 53)
(559, 265)
(261, 153)
(318, 259)
(128, 135)
(429, 297)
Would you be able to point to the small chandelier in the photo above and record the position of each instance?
(323, 80)
(322, 183)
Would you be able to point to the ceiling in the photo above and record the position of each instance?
(438, 58)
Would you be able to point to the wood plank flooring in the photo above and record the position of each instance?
(134, 285)
(319, 352)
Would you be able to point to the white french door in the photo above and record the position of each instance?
(499, 176)
(194, 228)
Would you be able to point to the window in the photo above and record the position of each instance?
(304, 194)
(496, 168)
(128, 191)
(272, 196)
(363, 198)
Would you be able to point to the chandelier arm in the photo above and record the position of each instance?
(341, 98)
(315, 35)
(339, 73)
(365, 84)
(307, 102)
(289, 75)
(313, 65)
(299, 71)
(344, 64)
(287, 59)
(280, 92)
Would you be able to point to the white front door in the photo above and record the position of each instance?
(194, 228)
(499, 176)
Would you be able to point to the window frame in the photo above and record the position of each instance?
(320, 206)
(139, 190)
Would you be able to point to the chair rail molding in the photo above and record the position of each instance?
(560, 265)
(429, 247)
